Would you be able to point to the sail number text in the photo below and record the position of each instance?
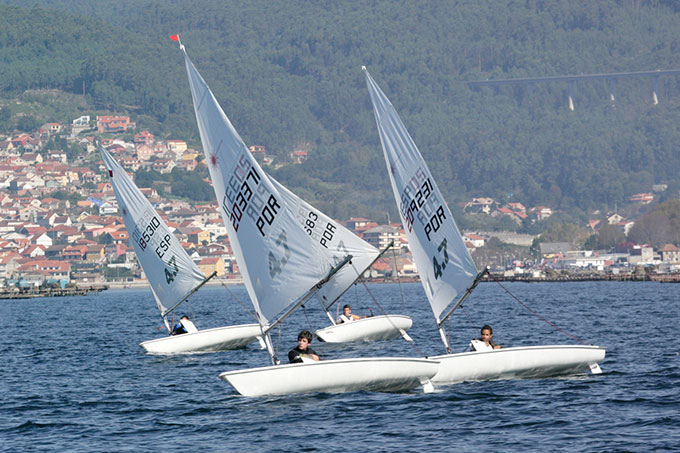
(153, 233)
(244, 194)
(311, 221)
(419, 201)
(143, 235)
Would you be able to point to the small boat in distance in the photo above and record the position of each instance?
(447, 272)
(342, 242)
(282, 266)
(172, 275)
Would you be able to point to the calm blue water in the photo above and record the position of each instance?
(75, 379)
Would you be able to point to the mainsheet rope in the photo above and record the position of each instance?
(537, 315)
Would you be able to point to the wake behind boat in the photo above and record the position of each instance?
(171, 273)
(447, 272)
(282, 265)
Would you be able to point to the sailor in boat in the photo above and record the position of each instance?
(184, 326)
(347, 315)
(302, 352)
(484, 343)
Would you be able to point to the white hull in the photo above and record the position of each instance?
(210, 340)
(385, 327)
(520, 362)
(396, 374)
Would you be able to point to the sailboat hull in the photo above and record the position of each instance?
(385, 327)
(209, 340)
(517, 363)
(397, 374)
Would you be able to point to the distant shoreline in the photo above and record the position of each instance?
(81, 290)
(137, 284)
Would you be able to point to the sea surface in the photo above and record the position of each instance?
(74, 377)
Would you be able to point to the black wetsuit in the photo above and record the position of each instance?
(178, 329)
(294, 356)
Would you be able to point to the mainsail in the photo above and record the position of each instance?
(335, 238)
(168, 268)
(445, 266)
(278, 262)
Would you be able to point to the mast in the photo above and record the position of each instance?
(172, 274)
(281, 266)
(444, 264)
(440, 323)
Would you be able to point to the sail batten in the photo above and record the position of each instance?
(171, 273)
(445, 266)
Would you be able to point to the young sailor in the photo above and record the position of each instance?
(484, 343)
(347, 315)
(302, 351)
(184, 326)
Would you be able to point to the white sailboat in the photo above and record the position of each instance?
(281, 266)
(342, 242)
(172, 275)
(446, 269)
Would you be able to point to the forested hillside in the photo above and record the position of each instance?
(288, 75)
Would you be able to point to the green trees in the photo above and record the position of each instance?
(288, 76)
(181, 184)
(659, 226)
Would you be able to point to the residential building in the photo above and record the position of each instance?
(112, 124)
(381, 236)
(212, 264)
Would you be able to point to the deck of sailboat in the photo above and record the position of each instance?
(518, 362)
(208, 340)
(375, 374)
(383, 327)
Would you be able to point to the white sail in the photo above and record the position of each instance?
(445, 266)
(170, 271)
(334, 237)
(278, 262)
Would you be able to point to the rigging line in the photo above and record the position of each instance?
(412, 343)
(537, 315)
(278, 342)
(311, 329)
(191, 309)
(237, 299)
(472, 322)
(396, 269)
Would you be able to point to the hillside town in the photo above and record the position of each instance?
(46, 240)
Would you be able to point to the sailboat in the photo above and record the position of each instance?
(281, 266)
(171, 273)
(447, 271)
(342, 242)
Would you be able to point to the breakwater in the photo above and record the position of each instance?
(14, 293)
